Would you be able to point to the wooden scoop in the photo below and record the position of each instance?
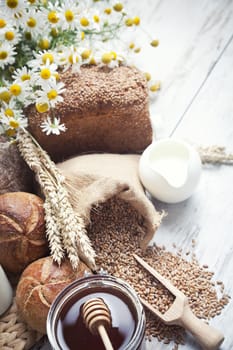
(97, 318)
(180, 313)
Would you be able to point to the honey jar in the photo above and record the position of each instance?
(65, 326)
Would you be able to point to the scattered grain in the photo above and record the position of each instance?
(116, 232)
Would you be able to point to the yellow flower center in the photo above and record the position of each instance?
(3, 55)
(72, 59)
(137, 50)
(9, 113)
(53, 17)
(92, 61)
(96, 18)
(5, 96)
(47, 56)
(32, 1)
(54, 32)
(31, 22)
(155, 87)
(10, 132)
(69, 15)
(42, 107)
(15, 89)
(129, 22)
(9, 35)
(154, 43)
(25, 77)
(14, 123)
(108, 11)
(45, 73)
(136, 20)
(131, 45)
(106, 58)
(44, 44)
(114, 55)
(82, 35)
(118, 7)
(2, 23)
(147, 76)
(86, 54)
(52, 94)
(84, 22)
(12, 3)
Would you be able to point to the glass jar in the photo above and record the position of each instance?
(65, 326)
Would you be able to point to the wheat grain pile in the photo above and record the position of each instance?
(115, 231)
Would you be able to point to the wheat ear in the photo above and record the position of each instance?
(65, 229)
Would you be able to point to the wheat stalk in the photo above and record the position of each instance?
(65, 229)
(215, 154)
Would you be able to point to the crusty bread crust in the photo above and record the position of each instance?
(22, 230)
(104, 110)
(38, 286)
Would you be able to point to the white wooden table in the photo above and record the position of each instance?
(195, 65)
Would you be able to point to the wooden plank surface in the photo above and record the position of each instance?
(195, 64)
(193, 35)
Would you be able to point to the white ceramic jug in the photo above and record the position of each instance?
(6, 292)
(170, 170)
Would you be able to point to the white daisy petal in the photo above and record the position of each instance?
(52, 126)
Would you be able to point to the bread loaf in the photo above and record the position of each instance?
(103, 109)
(22, 230)
(38, 286)
(15, 175)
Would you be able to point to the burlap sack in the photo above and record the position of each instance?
(99, 177)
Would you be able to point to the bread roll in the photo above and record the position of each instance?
(104, 110)
(38, 286)
(22, 230)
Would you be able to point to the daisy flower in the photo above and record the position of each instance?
(50, 15)
(11, 124)
(5, 95)
(154, 87)
(5, 23)
(46, 74)
(33, 23)
(69, 15)
(15, 9)
(42, 57)
(107, 56)
(70, 57)
(12, 118)
(11, 35)
(7, 53)
(21, 91)
(52, 127)
(22, 75)
(51, 94)
(44, 42)
(11, 110)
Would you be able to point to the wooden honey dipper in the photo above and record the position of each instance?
(97, 318)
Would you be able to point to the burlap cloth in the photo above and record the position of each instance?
(95, 178)
(92, 180)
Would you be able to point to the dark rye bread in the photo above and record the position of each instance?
(15, 175)
(104, 110)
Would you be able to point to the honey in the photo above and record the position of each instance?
(65, 325)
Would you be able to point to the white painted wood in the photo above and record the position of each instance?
(195, 64)
(192, 36)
